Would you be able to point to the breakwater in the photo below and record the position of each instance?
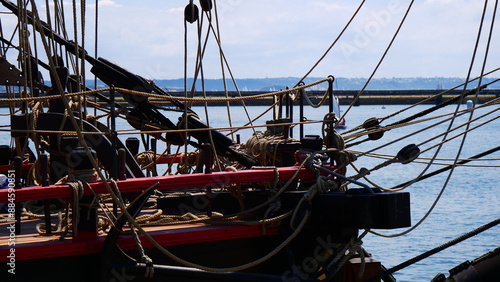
(368, 97)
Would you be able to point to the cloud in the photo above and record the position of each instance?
(286, 38)
(104, 3)
(330, 6)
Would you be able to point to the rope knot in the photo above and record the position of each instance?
(314, 160)
(149, 266)
(362, 173)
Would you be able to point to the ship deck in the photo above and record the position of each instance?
(30, 245)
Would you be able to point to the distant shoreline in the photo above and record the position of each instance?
(340, 83)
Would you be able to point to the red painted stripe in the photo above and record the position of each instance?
(165, 183)
(167, 159)
(177, 235)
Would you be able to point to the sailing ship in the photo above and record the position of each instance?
(81, 204)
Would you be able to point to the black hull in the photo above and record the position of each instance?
(303, 256)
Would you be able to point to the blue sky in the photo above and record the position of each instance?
(285, 38)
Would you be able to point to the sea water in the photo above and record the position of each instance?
(470, 198)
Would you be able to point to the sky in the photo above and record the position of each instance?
(285, 38)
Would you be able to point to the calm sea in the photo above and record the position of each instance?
(471, 197)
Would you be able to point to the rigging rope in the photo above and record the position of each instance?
(464, 133)
(445, 184)
(221, 62)
(167, 98)
(353, 16)
(379, 62)
(353, 136)
(473, 158)
(440, 94)
(435, 250)
(455, 114)
(224, 63)
(205, 99)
